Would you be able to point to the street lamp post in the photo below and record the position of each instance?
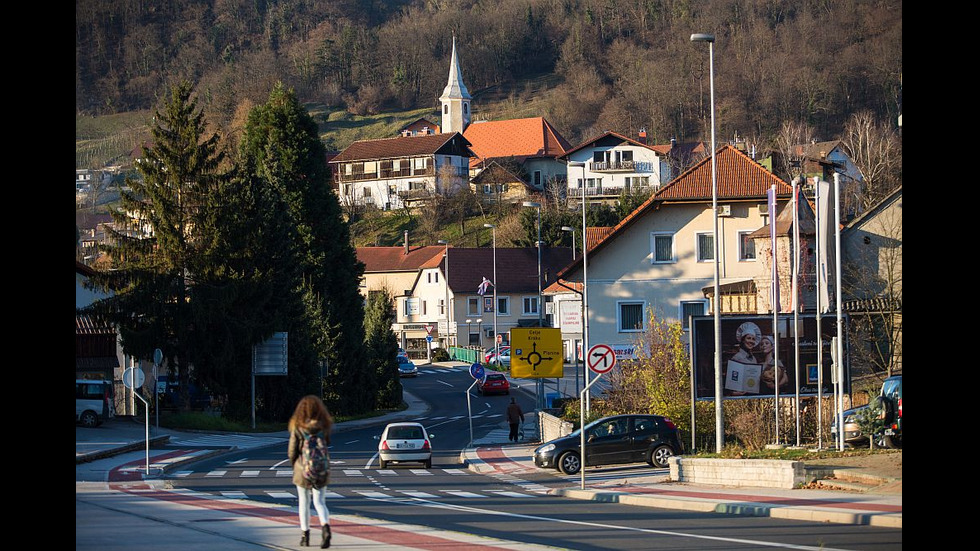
(574, 353)
(496, 347)
(448, 310)
(719, 419)
(572, 230)
(585, 291)
(540, 382)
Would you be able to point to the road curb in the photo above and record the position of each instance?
(102, 454)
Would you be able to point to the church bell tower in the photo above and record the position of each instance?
(455, 99)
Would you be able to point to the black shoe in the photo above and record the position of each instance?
(325, 541)
(304, 540)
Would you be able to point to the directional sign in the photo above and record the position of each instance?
(476, 371)
(428, 338)
(535, 352)
(601, 358)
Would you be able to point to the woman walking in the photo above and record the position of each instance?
(309, 436)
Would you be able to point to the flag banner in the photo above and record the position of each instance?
(482, 289)
(824, 231)
(771, 196)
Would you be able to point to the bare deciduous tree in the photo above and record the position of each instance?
(791, 136)
(877, 152)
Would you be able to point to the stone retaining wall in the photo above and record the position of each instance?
(759, 473)
(552, 427)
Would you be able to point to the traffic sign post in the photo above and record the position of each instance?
(600, 359)
(477, 372)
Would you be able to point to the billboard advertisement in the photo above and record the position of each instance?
(755, 360)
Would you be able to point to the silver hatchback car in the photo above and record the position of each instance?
(404, 442)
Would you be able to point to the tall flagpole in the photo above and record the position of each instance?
(796, 309)
(840, 326)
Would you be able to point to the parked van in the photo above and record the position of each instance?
(93, 402)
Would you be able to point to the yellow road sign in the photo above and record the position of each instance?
(535, 353)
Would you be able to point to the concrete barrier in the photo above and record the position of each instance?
(757, 473)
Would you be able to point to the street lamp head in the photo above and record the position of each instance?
(576, 164)
(567, 228)
(489, 226)
(702, 37)
(442, 242)
(531, 204)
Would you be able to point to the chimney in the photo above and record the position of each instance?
(406, 241)
(642, 138)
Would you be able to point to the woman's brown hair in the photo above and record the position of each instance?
(311, 407)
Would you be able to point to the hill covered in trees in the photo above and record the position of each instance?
(618, 65)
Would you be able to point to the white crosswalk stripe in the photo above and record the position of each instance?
(420, 495)
(508, 493)
(461, 493)
(240, 441)
(234, 495)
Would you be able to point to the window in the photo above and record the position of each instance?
(627, 155)
(445, 109)
(424, 304)
(692, 308)
(706, 247)
(466, 108)
(474, 339)
(746, 246)
(432, 277)
(473, 306)
(367, 192)
(630, 317)
(537, 178)
(530, 306)
(503, 306)
(442, 306)
(662, 247)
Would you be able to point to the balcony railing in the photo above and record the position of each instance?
(609, 191)
(620, 166)
(383, 174)
(414, 194)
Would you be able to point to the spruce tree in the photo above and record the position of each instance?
(281, 147)
(382, 346)
(152, 247)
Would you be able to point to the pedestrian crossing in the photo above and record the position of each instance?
(288, 472)
(237, 441)
(286, 495)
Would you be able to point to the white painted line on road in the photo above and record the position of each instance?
(420, 472)
(280, 495)
(353, 472)
(423, 495)
(249, 474)
(234, 495)
(217, 473)
(460, 493)
(508, 493)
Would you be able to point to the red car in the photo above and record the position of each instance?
(493, 383)
(491, 351)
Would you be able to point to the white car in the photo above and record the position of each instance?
(404, 442)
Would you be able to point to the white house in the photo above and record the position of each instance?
(660, 258)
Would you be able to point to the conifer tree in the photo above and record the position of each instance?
(281, 147)
(382, 346)
(152, 247)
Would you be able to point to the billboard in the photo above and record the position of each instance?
(749, 359)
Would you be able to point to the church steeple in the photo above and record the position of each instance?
(455, 99)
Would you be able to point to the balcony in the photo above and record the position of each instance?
(610, 191)
(620, 166)
(415, 194)
(383, 174)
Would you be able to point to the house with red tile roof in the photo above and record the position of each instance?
(613, 164)
(660, 257)
(392, 172)
(533, 144)
(417, 278)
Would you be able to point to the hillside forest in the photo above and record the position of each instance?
(585, 65)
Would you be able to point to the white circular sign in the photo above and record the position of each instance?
(133, 377)
(601, 358)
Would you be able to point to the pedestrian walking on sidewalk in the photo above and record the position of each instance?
(309, 436)
(514, 417)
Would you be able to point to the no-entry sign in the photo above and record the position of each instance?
(601, 358)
